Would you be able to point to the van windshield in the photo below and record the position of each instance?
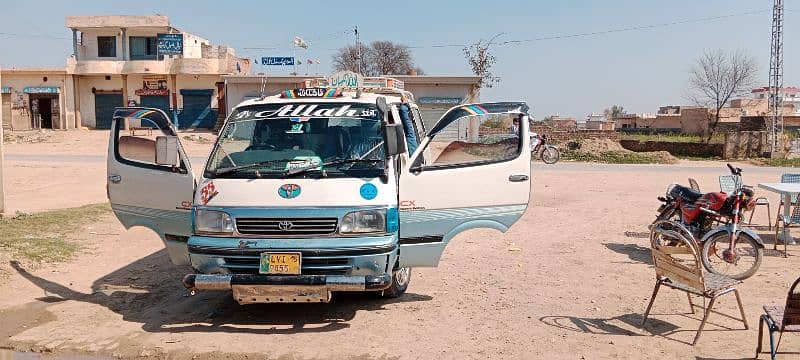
(301, 139)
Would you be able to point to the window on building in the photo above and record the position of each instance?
(143, 48)
(106, 46)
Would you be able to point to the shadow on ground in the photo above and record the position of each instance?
(149, 291)
(636, 253)
(631, 325)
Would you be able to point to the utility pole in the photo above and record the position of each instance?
(776, 75)
(358, 51)
(2, 156)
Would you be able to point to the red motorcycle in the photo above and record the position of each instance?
(729, 249)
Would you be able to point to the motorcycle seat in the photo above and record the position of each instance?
(686, 193)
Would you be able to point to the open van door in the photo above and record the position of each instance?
(149, 177)
(472, 170)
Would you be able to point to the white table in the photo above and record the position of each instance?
(786, 190)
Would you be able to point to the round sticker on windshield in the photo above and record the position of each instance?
(368, 191)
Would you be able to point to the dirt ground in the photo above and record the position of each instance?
(51, 169)
(570, 281)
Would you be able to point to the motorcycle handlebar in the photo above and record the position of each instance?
(734, 170)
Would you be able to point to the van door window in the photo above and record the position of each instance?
(137, 145)
(476, 140)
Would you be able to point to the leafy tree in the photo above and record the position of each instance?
(481, 60)
(613, 111)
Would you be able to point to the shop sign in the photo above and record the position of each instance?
(5, 90)
(277, 60)
(170, 44)
(152, 92)
(154, 82)
(40, 90)
(346, 79)
(439, 101)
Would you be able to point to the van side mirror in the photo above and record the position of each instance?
(167, 150)
(394, 139)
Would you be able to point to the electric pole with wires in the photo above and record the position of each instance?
(776, 76)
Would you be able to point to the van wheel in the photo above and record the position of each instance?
(400, 279)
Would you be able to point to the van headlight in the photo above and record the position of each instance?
(212, 222)
(364, 221)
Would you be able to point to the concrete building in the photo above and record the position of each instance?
(143, 60)
(37, 98)
(433, 94)
(595, 121)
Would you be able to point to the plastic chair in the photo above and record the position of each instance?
(693, 184)
(676, 260)
(727, 184)
(780, 319)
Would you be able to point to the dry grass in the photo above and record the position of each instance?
(46, 236)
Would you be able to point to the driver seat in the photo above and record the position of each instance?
(337, 142)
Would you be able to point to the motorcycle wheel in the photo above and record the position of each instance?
(742, 265)
(550, 155)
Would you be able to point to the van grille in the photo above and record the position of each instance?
(311, 265)
(286, 226)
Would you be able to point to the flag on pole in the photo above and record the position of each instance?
(316, 61)
(299, 42)
(309, 61)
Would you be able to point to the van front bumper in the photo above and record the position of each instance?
(251, 288)
(357, 256)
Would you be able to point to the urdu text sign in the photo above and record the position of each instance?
(277, 60)
(170, 44)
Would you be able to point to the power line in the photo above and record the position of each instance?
(34, 36)
(608, 31)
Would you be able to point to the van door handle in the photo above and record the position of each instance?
(114, 178)
(518, 178)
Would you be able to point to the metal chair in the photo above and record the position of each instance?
(787, 221)
(793, 219)
(727, 184)
(780, 319)
(693, 184)
(676, 259)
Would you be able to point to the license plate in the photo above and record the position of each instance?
(280, 263)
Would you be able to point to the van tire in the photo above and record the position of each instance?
(400, 280)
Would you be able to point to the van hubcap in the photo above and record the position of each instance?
(402, 275)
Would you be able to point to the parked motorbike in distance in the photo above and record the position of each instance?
(539, 146)
(728, 249)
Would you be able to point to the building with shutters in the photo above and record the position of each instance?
(37, 98)
(144, 61)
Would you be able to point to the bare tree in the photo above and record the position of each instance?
(379, 58)
(481, 61)
(390, 58)
(716, 77)
(348, 58)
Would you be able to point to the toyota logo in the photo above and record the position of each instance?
(285, 225)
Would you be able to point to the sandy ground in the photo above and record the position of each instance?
(68, 169)
(570, 281)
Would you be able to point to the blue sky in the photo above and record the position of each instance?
(640, 70)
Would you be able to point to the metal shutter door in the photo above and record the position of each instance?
(104, 105)
(158, 102)
(197, 111)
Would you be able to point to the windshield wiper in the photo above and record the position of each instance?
(229, 170)
(329, 163)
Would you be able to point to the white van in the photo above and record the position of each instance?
(314, 191)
